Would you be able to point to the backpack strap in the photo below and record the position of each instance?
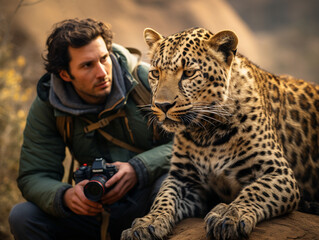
(64, 125)
(140, 94)
(96, 126)
(103, 122)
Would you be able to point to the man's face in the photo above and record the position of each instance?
(91, 70)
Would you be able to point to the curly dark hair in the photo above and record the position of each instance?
(74, 33)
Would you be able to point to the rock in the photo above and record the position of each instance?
(295, 225)
(189, 229)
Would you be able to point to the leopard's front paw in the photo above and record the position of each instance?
(226, 222)
(148, 228)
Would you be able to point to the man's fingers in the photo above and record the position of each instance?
(80, 194)
(79, 204)
(118, 192)
(86, 211)
(114, 179)
(124, 180)
(87, 207)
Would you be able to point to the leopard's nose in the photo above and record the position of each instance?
(165, 106)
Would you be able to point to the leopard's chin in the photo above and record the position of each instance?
(172, 126)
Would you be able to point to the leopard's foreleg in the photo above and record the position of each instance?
(271, 195)
(179, 197)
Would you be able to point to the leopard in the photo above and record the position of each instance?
(245, 145)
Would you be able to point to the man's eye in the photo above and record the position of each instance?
(87, 65)
(103, 59)
(188, 73)
(154, 73)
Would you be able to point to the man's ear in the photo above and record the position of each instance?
(225, 42)
(65, 75)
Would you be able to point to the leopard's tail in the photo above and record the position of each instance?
(309, 207)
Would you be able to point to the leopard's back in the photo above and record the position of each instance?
(296, 116)
(292, 105)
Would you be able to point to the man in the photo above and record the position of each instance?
(89, 79)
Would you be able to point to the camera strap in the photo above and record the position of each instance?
(104, 225)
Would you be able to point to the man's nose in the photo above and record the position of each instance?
(101, 71)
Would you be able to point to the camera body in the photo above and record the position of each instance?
(98, 174)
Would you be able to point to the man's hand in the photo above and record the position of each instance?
(125, 179)
(75, 200)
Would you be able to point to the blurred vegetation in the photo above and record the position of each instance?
(15, 99)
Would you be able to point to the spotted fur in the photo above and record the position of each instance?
(246, 141)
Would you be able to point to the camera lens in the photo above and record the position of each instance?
(94, 189)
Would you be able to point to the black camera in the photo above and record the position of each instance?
(98, 174)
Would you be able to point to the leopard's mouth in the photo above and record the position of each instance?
(171, 125)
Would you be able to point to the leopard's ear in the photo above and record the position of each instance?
(225, 42)
(151, 36)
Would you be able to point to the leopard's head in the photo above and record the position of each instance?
(189, 76)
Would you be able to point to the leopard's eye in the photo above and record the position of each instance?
(188, 73)
(154, 73)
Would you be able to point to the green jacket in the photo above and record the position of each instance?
(43, 150)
